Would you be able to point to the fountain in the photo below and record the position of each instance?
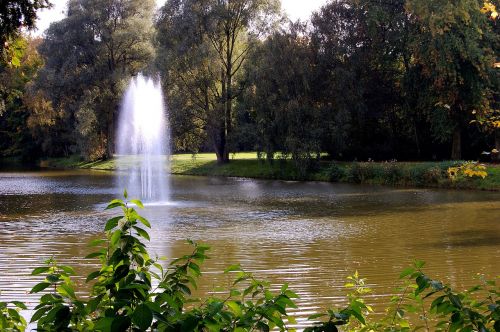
(143, 142)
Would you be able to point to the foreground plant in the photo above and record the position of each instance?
(132, 291)
(424, 304)
(469, 169)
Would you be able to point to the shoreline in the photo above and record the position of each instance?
(246, 165)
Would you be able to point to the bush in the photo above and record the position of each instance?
(335, 173)
(133, 292)
(433, 175)
(392, 173)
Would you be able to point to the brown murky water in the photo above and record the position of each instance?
(310, 235)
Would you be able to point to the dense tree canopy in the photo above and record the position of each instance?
(14, 15)
(397, 79)
(90, 56)
(203, 47)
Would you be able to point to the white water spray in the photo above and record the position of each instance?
(143, 142)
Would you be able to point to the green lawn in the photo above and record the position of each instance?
(246, 164)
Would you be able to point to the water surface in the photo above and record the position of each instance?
(309, 235)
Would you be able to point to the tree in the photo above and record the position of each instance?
(360, 49)
(14, 15)
(90, 56)
(280, 94)
(15, 139)
(224, 30)
(187, 65)
(453, 49)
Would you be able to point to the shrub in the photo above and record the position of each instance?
(466, 170)
(335, 172)
(392, 173)
(123, 296)
(433, 175)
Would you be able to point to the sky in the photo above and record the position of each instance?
(296, 9)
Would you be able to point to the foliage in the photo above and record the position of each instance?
(89, 58)
(468, 169)
(364, 80)
(203, 46)
(133, 291)
(423, 303)
(457, 62)
(283, 61)
(14, 15)
(15, 137)
(10, 318)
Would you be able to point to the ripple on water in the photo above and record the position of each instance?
(309, 235)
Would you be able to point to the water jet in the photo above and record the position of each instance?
(143, 141)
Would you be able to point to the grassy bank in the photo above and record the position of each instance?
(411, 174)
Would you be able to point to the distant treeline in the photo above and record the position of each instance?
(363, 79)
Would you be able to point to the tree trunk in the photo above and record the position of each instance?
(110, 148)
(228, 97)
(456, 148)
(220, 147)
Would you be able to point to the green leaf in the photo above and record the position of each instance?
(65, 289)
(53, 278)
(233, 268)
(137, 202)
(93, 275)
(125, 194)
(120, 324)
(142, 233)
(235, 308)
(121, 272)
(315, 316)
(116, 237)
(419, 264)
(144, 221)
(406, 272)
(115, 203)
(38, 314)
(67, 269)
(39, 270)
(39, 287)
(291, 294)
(358, 316)
(19, 305)
(112, 223)
(94, 254)
(142, 317)
(104, 324)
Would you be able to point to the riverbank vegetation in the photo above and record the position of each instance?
(133, 291)
(361, 80)
(448, 174)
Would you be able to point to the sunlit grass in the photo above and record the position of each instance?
(213, 157)
(246, 164)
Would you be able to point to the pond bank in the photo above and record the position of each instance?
(408, 174)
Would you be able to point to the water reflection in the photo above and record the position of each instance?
(310, 235)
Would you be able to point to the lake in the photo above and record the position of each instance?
(310, 235)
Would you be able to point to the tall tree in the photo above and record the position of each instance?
(281, 97)
(90, 56)
(360, 52)
(225, 29)
(453, 49)
(15, 139)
